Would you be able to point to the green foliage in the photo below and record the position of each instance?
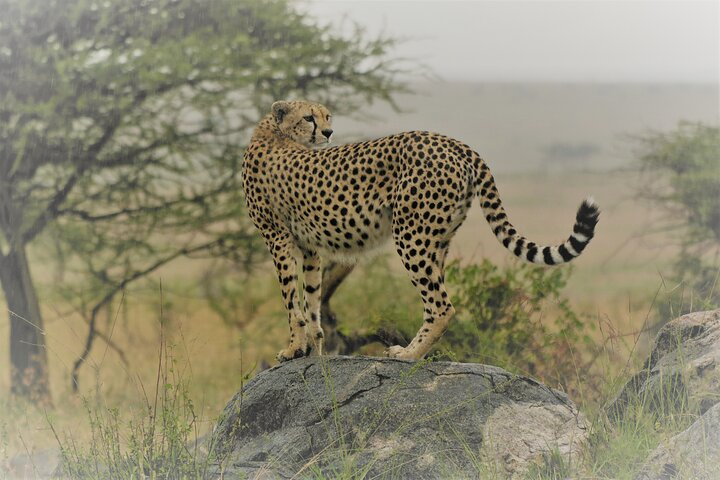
(683, 178)
(515, 317)
(123, 122)
(689, 159)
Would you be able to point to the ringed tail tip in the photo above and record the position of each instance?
(587, 217)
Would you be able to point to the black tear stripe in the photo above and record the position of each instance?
(547, 256)
(312, 137)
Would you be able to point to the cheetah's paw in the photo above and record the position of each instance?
(398, 352)
(293, 353)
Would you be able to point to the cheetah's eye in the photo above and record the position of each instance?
(309, 118)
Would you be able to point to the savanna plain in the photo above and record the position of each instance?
(215, 325)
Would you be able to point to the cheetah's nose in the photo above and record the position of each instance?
(327, 133)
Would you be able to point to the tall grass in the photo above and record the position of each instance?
(162, 440)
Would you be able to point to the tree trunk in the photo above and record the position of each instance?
(28, 355)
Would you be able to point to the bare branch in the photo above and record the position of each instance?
(128, 212)
(110, 295)
(51, 211)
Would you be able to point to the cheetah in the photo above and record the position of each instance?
(338, 203)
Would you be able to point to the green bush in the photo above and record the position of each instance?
(515, 317)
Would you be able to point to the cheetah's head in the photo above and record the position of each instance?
(307, 123)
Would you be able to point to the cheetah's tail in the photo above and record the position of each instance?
(583, 230)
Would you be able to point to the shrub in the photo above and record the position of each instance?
(515, 317)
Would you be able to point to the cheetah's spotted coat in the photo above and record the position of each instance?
(339, 202)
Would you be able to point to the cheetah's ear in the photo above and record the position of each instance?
(279, 110)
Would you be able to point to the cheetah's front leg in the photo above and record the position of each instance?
(286, 266)
(312, 271)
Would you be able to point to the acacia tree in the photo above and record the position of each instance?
(682, 176)
(121, 131)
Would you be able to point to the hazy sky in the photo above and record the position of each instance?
(601, 40)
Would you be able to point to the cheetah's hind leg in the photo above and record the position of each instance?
(437, 313)
(426, 272)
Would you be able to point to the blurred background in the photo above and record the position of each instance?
(126, 252)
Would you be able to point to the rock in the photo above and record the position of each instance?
(393, 418)
(692, 454)
(681, 372)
